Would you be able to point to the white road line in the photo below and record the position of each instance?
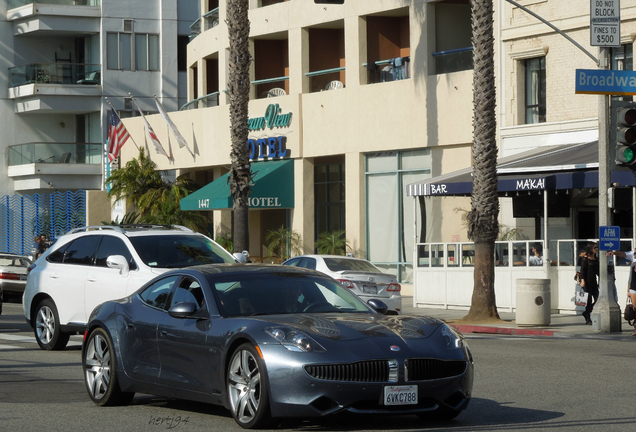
(17, 338)
(5, 347)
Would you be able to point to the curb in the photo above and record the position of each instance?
(501, 330)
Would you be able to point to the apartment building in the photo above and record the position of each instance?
(358, 101)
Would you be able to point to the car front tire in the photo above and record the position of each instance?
(247, 388)
(47, 329)
(100, 372)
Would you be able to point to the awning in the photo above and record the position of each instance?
(273, 188)
(570, 166)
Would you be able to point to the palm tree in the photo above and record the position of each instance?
(482, 219)
(332, 243)
(283, 241)
(157, 201)
(238, 86)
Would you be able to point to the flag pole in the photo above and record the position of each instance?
(150, 133)
(113, 108)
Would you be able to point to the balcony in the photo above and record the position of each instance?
(37, 167)
(207, 21)
(453, 60)
(54, 17)
(55, 153)
(389, 70)
(55, 73)
(209, 100)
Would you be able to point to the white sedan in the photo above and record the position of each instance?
(359, 275)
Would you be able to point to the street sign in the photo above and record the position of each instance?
(605, 23)
(607, 82)
(609, 238)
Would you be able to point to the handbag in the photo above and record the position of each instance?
(577, 278)
(629, 314)
(580, 299)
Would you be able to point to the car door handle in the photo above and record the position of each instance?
(91, 278)
(54, 275)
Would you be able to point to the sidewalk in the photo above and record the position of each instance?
(561, 325)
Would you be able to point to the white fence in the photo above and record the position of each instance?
(443, 273)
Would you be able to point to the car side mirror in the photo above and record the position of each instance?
(242, 257)
(118, 262)
(182, 310)
(378, 305)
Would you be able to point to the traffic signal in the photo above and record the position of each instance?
(329, 1)
(625, 134)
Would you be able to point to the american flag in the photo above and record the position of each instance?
(117, 135)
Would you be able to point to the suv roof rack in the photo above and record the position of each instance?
(123, 228)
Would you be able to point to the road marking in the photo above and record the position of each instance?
(30, 339)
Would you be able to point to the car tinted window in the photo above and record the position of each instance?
(337, 264)
(158, 293)
(309, 263)
(57, 256)
(189, 290)
(179, 250)
(113, 246)
(293, 262)
(81, 250)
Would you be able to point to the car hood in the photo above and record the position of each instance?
(351, 327)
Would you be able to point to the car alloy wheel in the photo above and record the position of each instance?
(100, 375)
(247, 388)
(47, 327)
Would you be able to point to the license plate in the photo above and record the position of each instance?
(23, 277)
(400, 395)
(369, 289)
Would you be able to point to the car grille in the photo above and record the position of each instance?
(430, 369)
(367, 371)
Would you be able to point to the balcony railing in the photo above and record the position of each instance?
(394, 69)
(55, 73)
(453, 60)
(209, 100)
(12, 4)
(210, 19)
(325, 79)
(55, 153)
(270, 87)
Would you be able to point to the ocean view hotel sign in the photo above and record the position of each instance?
(605, 23)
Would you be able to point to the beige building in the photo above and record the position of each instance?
(368, 97)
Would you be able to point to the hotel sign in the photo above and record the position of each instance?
(269, 147)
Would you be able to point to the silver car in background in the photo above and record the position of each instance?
(13, 274)
(359, 275)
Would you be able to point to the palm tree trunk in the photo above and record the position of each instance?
(240, 175)
(483, 217)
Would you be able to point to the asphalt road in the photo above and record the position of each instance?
(522, 383)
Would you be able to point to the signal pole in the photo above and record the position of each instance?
(606, 315)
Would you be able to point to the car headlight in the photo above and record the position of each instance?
(453, 339)
(294, 340)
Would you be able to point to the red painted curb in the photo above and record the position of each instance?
(502, 330)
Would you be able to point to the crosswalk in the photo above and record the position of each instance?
(9, 341)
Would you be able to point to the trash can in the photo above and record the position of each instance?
(533, 302)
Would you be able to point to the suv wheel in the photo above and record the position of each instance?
(47, 327)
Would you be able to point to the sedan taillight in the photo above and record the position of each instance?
(9, 276)
(346, 283)
(394, 287)
(31, 267)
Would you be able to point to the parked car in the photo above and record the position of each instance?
(90, 265)
(269, 341)
(359, 275)
(13, 273)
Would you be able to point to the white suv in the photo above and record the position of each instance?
(91, 265)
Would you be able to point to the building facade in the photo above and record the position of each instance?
(365, 98)
(60, 60)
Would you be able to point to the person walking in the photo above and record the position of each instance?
(631, 282)
(589, 278)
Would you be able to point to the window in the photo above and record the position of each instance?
(189, 290)
(390, 212)
(113, 246)
(121, 55)
(622, 58)
(535, 90)
(329, 197)
(81, 251)
(157, 294)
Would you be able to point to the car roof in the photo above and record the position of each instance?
(133, 230)
(329, 256)
(236, 268)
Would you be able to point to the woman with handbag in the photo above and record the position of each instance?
(631, 290)
(589, 281)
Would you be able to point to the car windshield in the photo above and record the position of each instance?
(282, 293)
(179, 250)
(343, 264)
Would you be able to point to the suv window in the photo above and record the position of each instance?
(113, 246)
(179, 250)
(81, 250)
(157, 294)
(57, 256)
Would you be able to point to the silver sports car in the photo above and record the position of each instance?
(269, 341)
